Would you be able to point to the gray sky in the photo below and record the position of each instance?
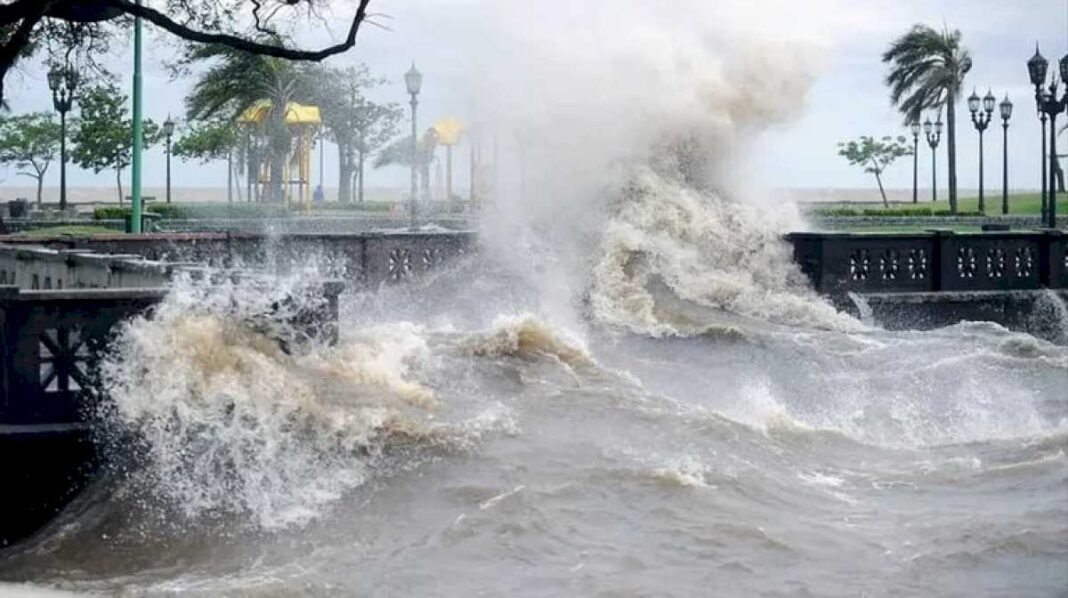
(452, 40)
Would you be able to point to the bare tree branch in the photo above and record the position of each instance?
(10, 51)
(238, 43)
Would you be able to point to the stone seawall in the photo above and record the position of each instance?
(925, 280)
(62, 297)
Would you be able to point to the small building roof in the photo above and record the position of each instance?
(296, 114)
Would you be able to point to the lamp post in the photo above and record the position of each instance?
(934, 135)
(1006, 114)
(914, 128)
(981, 119)
(413, 80)
(1049, 104)
(1042, 159)
(137, 130)
(63, 82)
(168, 132)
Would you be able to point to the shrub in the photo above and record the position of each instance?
(838, 212)
(121, 212)
(908, 212)
(959, 213)
(353, 206)
(166, 210)
(898, 212)
(110, 213)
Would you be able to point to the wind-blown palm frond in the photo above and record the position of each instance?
(399, 152)
(927, 70)
(235, 81)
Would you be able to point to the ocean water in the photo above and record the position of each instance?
(677, 416)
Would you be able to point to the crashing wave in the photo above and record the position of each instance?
(668, 230)
(227, 423)
(527, 337)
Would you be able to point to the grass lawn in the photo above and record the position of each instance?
(1019, 203)
(907, 229)
(69, 230)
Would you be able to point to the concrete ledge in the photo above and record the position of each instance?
(847, 222)
(10, 294)
(1043, 313)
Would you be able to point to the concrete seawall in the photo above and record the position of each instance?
(927, 280)
(61, 299)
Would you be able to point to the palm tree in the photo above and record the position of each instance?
(927, 70)
(399, 153)
(235, 82)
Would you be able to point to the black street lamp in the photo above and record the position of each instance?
(934, 135)
(63, 82)
(981, 119)
(1049, 104)
(914, 128)
(413, 80)
(1006, 114)
(168, 131)
(1036, 68)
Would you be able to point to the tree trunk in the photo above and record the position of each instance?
(344, 183)
(40, 183)
(278, 166)
(118, 179)
(882, 191)
(230, 176)
(359, 173)
(252, 173)
(951, 145)
(344, 176)
(236, 177)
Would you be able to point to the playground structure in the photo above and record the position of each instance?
(302, 123)
(448, 132)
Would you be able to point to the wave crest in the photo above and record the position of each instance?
(227, 423)
(528, 337)
(668, 228)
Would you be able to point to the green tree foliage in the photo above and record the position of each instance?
(85, 27)
(30, 142)
(103, 137)
(207, 141)
(875, 155)
(211, 140)
(234, 82)
(927, 70)
(356, 124)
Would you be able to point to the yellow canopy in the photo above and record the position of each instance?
(449, 130)
(296, 114)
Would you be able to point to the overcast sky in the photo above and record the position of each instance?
(448, 39)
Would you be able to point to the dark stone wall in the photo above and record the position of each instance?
(840, 263)
(50, 339)
(42, 469)
(934, 279)
(1039, 312)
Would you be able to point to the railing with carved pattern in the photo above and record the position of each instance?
(839, 263)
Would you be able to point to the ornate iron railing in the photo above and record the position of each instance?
(839, 263)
